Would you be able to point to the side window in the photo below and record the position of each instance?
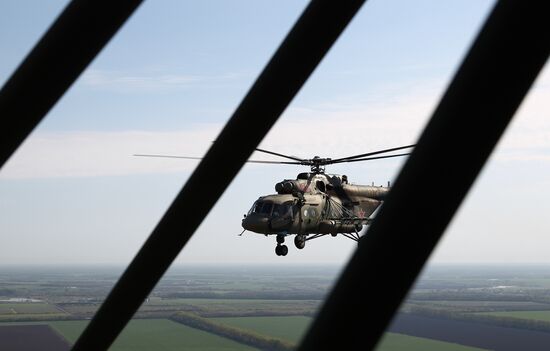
(277, 210)
(286, 210)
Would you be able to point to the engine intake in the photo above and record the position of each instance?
(285, 187)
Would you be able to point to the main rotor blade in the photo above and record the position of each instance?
(315, 32)
(369, 158)
(168, 156)
(281, 155)
(200, 158)
(373, 153)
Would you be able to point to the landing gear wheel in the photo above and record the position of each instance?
(280, 239)
(300, 241)
(281, 250)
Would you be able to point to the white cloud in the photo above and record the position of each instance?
(77, 154)
(125, 82)
(328, 130)
(305, 132)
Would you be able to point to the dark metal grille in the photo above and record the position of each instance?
(495, 76)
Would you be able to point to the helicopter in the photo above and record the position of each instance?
(315, 204)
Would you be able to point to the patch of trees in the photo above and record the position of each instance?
(8, 292)
(469, 295)
(485, 294)
(243, 336)
(477, 306)
(501, 321)
(40, 318)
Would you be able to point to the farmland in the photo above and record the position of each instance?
(31, 337)
(243, 307)
(289, 328)
(166, 335)
(155, 334)
(293, 328)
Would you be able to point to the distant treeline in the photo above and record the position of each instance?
(523, 295)
(37, 318)
(478, 306)
(248, 295)
(501, 321)
(243, 336)
(8, 292)
(465, 295)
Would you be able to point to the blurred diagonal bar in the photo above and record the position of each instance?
(307, 43)
(493, 79)
(70, 44)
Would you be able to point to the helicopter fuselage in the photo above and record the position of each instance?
(314, 204)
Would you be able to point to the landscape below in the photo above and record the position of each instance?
(238, 308)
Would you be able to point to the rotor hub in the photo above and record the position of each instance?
(318, 164)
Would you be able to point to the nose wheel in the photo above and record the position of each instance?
(281, 250)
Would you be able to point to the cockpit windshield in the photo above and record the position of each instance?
(262, 207)
(271, 209)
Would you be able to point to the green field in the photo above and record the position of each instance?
(536, 315)
(165, 335)
(153, 334)
(219, 307)
(293, 328)
(288, 328)
(27, 308)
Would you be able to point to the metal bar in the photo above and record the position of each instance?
(493, 79)
(309, 40)
(70, 44)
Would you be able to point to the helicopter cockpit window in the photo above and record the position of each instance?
(266, 208)
(256, 207)
(303, 176)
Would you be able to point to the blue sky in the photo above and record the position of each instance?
(174, 74)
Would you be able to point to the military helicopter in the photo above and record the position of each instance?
(315, 204)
